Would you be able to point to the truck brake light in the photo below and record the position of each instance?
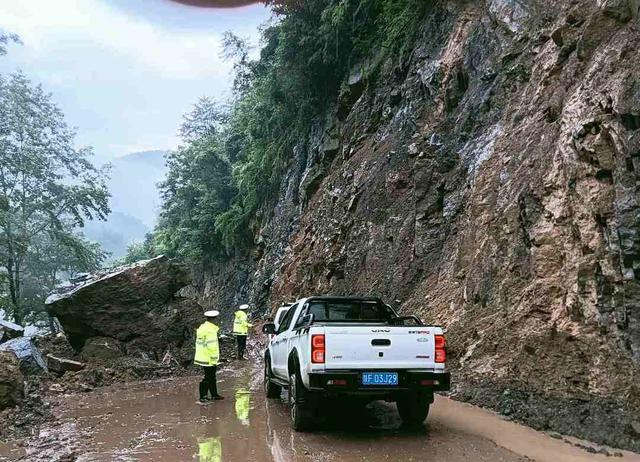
(317, 349)
(441, 352)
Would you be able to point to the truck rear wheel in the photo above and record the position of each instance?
(301, 404)
(413, 409)
(270, 389)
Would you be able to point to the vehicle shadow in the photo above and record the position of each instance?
(357, 418)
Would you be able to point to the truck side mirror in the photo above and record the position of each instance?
(269, 328)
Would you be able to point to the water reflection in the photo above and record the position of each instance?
(210, 449)
(243, 405)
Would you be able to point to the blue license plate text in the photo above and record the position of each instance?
(380, 378)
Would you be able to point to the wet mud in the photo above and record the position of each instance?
(161, 421)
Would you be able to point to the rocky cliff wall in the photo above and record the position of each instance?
(488, 182)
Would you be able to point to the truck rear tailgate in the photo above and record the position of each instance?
(378, 347)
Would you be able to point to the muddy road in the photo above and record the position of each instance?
(160, 421)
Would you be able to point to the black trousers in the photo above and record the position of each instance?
(242, 345)
(208, 383)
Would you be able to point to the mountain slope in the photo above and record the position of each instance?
(488, 182)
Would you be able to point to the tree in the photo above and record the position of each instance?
(137, 251)
(236, 49)
(5, 38)
(47, 186)
(198, 186)
(54, 257)
(204, 121)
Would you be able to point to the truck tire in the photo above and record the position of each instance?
(413, 409)
(301, 404)
(271, 389)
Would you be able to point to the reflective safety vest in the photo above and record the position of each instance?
(243, 404)
(241, 323)
(210, 450)
(207, 348)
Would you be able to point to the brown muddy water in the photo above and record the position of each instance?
(160, 421)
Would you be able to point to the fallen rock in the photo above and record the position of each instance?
(134, 305)
(9, 330)
(28, 354)
(102, 349)
(56, 345)
(62, 365)
(11, 380)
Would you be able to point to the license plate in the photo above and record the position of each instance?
(380, 378)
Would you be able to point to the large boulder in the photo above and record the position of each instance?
(28, 354)
(134, 305)
(11, 380)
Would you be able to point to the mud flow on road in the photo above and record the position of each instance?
(161, 421)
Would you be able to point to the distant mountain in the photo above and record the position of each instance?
(135, 201)
(117, 233)
(134, 185)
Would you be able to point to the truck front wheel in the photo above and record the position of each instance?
(301, 404)
(413, 408)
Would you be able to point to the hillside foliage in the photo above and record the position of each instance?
(227, 174)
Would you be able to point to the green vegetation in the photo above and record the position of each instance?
(225, 177)
(47, 190)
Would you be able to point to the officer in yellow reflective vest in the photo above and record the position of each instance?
(241, 329)
(208, 356)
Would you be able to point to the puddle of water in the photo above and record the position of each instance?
(161, 421)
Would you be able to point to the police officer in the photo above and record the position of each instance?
(208, 356)
(241, 329)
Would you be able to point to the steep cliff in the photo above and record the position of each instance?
(489, 182)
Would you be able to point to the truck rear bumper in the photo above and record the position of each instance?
(349, 381)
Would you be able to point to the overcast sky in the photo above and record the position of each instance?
(124, 71)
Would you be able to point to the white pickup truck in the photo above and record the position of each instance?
(327, 346)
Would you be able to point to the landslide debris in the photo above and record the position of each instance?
(119, 326)
(29, 356)
(130, 311)
(11, 380)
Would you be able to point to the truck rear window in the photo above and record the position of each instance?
(350, 311)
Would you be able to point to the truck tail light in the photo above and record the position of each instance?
(317, 349)
(441, 352)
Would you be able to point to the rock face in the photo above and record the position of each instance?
(132, 310)
(28, 354)
(490, 183)
(11, 380)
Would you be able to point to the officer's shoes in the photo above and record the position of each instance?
(217, 398)
(203, 401)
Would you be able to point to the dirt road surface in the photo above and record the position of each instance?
(161, 421)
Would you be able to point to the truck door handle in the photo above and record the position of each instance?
(380, 342)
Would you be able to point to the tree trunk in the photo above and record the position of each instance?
(13, 291)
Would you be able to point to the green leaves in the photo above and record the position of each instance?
(48, 188)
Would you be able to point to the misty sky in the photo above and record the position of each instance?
(124, 71)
